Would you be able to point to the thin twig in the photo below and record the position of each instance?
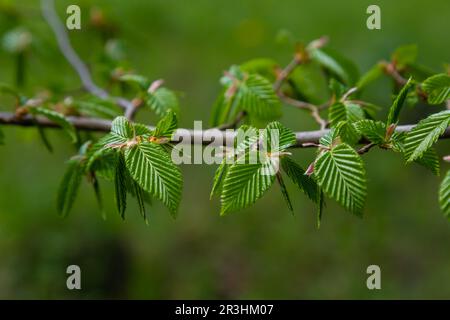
(62, 37)
(366, 148)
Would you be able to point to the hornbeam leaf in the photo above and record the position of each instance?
(438, 88)
(348, 111)
(139, 193)
(430, 160)
(320, 207)
(370, 76)
(284, 192)
(122, 127)
(404, 55)
(394, 111)
(57, 118)
(245, 183)
(374, 131)
(139, 80)
(257, 97)
(298, 177)
(340, 173)
(277, 137)
(425, 134)
(120, 186)
(97, 108)
(69, 186)
(151, 167)
(219, 177)
(163, 100)
(166, 126)
(444, 195)
(343, 68)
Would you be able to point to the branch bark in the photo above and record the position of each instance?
(304, 139)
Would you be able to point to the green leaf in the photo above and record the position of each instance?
(163, 100)
(277, 137)
(69, 186)
(284, 192)
(97, 108)
(309, 83)
(425, 134)
(444, 195)
(370, 76)
(394, 111)
(139, 80)
(374, 131)
(320, 208)
(166, 126)
(219, 177)
(57, 118)
(151, 167)
(438, 88)
(139, 193)
(340, 173)
(347, 111)
(430, 160)
(262, 66)
(340, 66)
(120, 186)
(404, 55)
(245, 183)
(256, 96)
(298, 177)
(122, 127)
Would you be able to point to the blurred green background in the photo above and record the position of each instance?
(261, 252)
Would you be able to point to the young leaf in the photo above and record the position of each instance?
(404, 55)
(122, 127)
(438, 88)
(425, 134)
(374, 131)
(245, 183)
(263, 66)
(394, 111)
(320, 207)
(298, 177)
(256, 96)
(430, 160)
(284, 192)
(139, 193)
(69, 186)
(120, 186)
(163, 100)
(277, 137)
(166, 126)
(342, 67)
(142, 82)
(370, 76)
(444, 195)
(151, 167)
(57, 118)
(219, 176)
(97, 108)
(340, 173)
(347, 111)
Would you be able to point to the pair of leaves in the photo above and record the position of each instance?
(249, 92)
(341, 175)
(243, 182)
(148, 163)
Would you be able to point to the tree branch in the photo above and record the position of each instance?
(62, 37)
(304, 139)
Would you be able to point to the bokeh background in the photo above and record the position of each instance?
(261, 252)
